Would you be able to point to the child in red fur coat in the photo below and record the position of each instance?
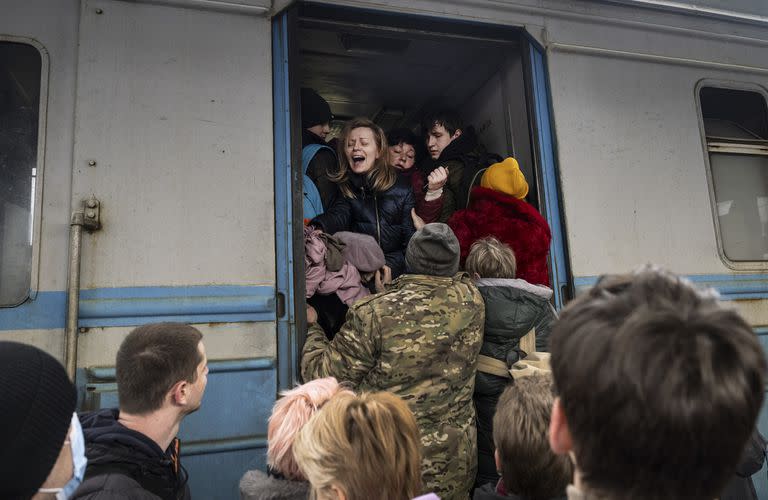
(497, 208)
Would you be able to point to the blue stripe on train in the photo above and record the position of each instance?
(141, 305)
(730, 286)
(46, 311)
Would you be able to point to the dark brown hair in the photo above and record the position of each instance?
(151, 360)
(381, 176)
(660, 386)
(447, 117)
(529, 467)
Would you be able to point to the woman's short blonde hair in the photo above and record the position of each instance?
(490, 258)
(289, 415)
(381, 176)
(367, 446)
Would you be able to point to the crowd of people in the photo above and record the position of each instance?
(434, 365)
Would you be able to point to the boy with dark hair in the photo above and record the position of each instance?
(659, 388)
(453, 146)
(133, 452)
(529, 468)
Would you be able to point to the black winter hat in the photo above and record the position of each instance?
(36, 404)
(314, 109)
(433, 250)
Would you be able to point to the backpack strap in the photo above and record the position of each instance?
(492, 366)
(475, 165)
(308, 153)
(533, 363)
(313, 204)
(475, 182)
(528, 342)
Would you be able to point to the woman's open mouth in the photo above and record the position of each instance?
(358, 161)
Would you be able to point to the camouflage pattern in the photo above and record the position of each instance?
(420, 340)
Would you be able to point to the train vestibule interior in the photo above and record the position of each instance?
(391, 68)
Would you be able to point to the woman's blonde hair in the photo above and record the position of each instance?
(290, 413)
(490, 258)
(367, 446)
(381, 176)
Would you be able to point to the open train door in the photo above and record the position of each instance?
(497, 76)
(540, 109)
(291, 318)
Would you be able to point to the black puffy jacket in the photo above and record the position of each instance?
(512, 308)
(384, 215)
(127, 465)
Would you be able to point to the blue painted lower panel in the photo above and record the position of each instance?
(46, 311)
(216, 476)
(227, 436)
(141, 305)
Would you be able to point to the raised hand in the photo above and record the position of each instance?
(437, 179)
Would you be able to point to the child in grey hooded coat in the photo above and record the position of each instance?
(514, 308)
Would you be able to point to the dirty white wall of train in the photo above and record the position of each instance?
(632, 161)
(174, 107)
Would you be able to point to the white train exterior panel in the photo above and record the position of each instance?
(174, 106)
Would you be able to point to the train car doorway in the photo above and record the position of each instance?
(391, 68)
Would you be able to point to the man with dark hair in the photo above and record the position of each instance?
(419, 339)
(133, 452)
(454, 147)
(659, 388)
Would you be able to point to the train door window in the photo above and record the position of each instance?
(20, 83)
(736, 129)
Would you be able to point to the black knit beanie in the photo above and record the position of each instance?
(36, 404)
(433, 250)
(314, 109)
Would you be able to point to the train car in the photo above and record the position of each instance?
(150, 163)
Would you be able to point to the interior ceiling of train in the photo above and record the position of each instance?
(391, 75)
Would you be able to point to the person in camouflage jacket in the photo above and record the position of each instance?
(420, 340)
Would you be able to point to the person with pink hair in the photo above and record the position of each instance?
(283, 479)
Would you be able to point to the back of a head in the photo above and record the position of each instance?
(529, 467)
(659, 384)
(446, 117)
(290, 413)
(37, 401)
(433, 250)
(151, 359)
(490, 258)
(367, 446)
